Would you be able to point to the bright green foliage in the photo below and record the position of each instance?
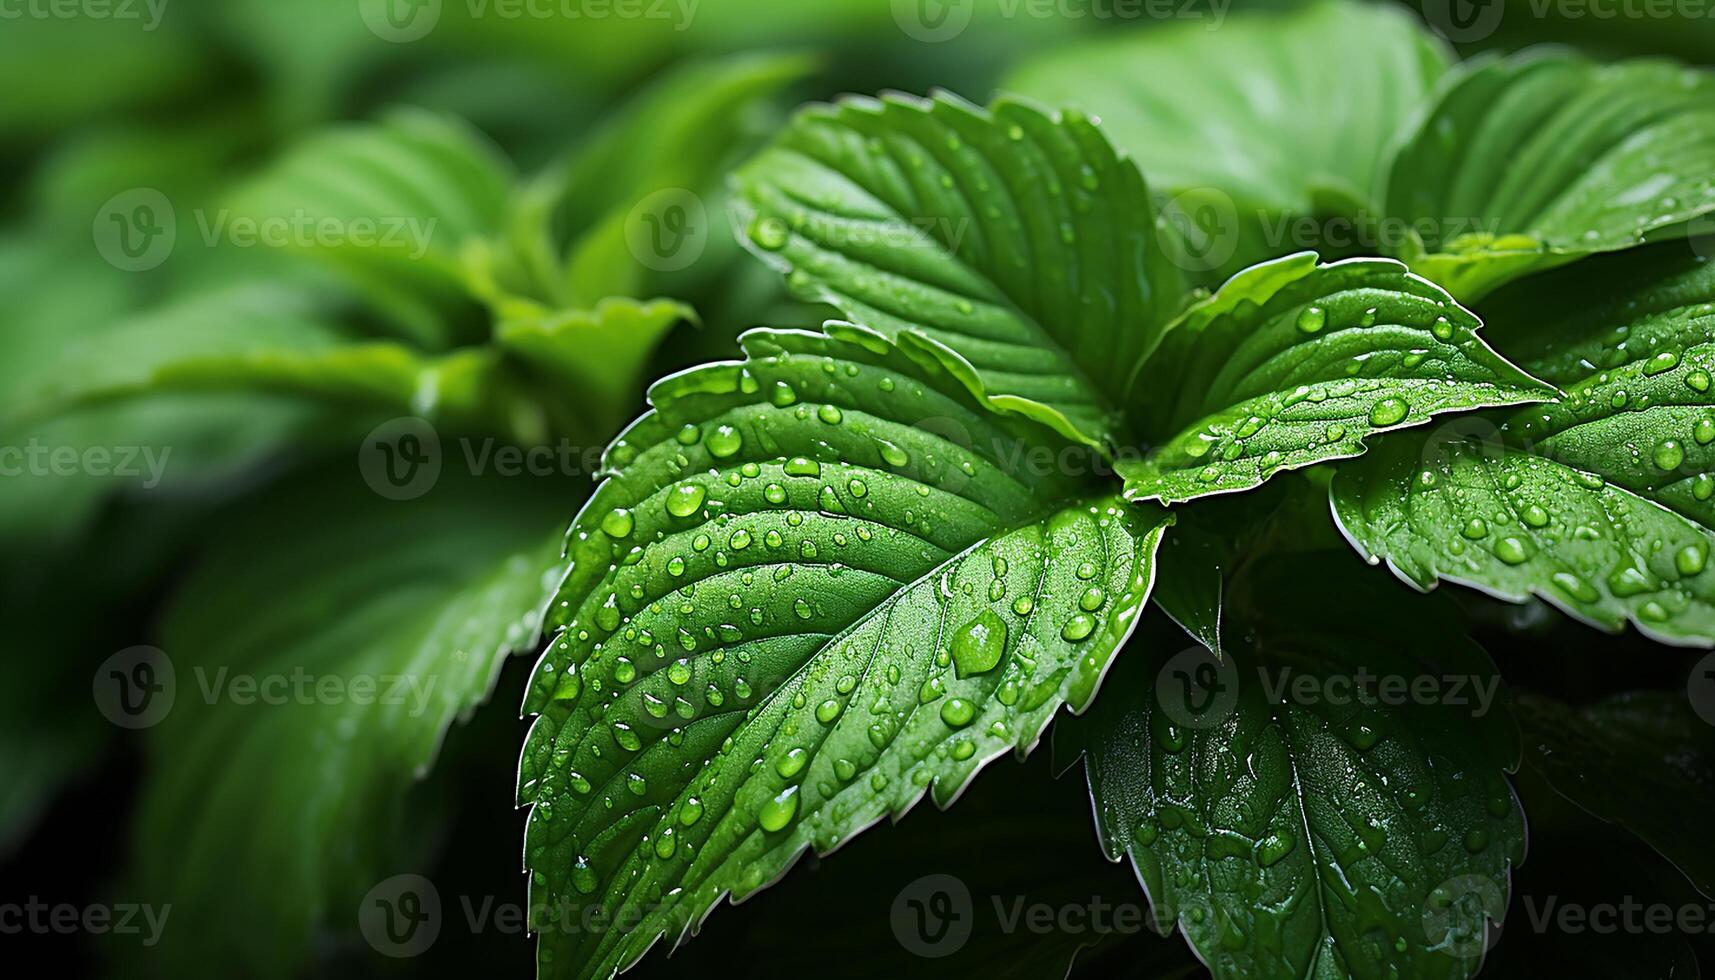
(368, 626)
(569, 234)
(1274, 110)
(1535, 160)
(1322, 836)
(1599, 502)
(815, 588)
(1022, 242)
(403, 196)
(1294, 363)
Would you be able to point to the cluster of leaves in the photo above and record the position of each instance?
(1049, 390)
(837, 575)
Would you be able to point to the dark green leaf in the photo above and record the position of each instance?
(324, 587)
(1294, 363)
(1535, 160)
(1602, 502)
(816, 587)
(1269, 108)
(1341, 835)
(1021, 242)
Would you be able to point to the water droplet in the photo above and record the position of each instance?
(724, 441)
(779, 811)
(685, 499)
(791, 763)
(958, 712)
(979, 645)
(1389, 411)
(769, 234)
(617, 523)
(1078, 627)
(1312, 319)
(1691, 559)
(1669, 454)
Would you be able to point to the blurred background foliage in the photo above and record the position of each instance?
(526, 319)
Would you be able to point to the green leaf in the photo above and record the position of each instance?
(390, 204)
(674, 139)
(1274, 112)
(592, 358)
(1535, 160)
(1293, 363)
(1021, 242)
(1327, 836)
(1642, 760)
(423, 600)
(816, 587)
(1602, 502)
(1191, 590)
(566, 372)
